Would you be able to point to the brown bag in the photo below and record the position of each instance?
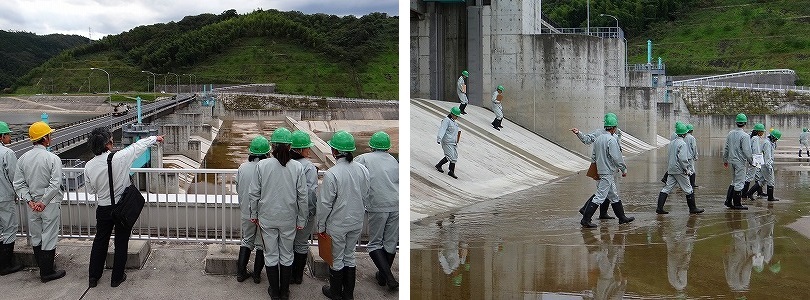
(592, 172)
(499, 97)
(325, 247)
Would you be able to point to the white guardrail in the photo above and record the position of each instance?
(188, 205)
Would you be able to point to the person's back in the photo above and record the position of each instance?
(738, 147)
(41, 172)
(607, 155)
(347, 183)
(803, 137)
(383, 171)
(677, 157)
(278, 189)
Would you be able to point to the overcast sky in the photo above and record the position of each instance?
(105, 17)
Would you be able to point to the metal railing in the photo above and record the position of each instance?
(734, 75)
(602, 32)
(188, 205)
(749, 86)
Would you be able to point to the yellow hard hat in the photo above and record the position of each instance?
(38, 130)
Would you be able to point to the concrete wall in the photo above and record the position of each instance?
(717, 126)
(438, 49)
(637, 111)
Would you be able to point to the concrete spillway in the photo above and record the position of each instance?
(491, 163)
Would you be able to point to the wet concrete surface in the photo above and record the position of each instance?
(530, 245)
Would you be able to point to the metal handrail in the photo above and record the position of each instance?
(735, 75)
(602, 32)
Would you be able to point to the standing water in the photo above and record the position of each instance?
(530, 245)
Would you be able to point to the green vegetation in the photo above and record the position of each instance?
(22, 51)
(323, 55)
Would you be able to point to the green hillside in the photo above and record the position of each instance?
(22, 51)
(728, 36)
(319, 54)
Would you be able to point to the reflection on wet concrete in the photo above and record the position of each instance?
(529, 244)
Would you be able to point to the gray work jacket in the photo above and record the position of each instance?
(383, 169)
(344, 189)
(607, 155)
(245, 175)
(278, 195)
(9, 165)
(311, 174)
(39, 176)
(738, 147)
(448, 132)
(678, 157)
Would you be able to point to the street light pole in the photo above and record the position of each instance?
(154, 83)
(108, 83)
(612, 16)
(177, 87)
(190, 86)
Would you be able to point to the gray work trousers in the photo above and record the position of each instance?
(343, 247)
(278, 245)
(383, 231)
(681, 179)
(738, 170)
(606, 189)
(9, 223)
(302, 236)
(767, 175)
(44, 225)
(249, 237)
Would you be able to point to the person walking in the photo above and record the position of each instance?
(344, 189)
(382, 207)
(38, 182)
(737, 153)
(753, 173)
(448, 137)
(300, 152)
(691, 142)
(97, 179)
(245, 175)
(279, 196)
(461, 90)
(497, 108)
(678, 172)
(767, 167)
(9, 221)
(609, 160)
(804, 138)
(588, 139)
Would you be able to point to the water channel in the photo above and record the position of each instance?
(529, 244)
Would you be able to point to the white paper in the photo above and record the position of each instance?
(759, 160)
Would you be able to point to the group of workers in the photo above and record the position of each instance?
(750, 156)
(281, 203)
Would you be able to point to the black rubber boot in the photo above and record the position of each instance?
(9, 264)
(241, 264)
(462, 107)
(334, 290)
(603, 210)
(729, 195)
(662, 198)
(770, 194)
(737, 201)
(690, 200)
(47, 272)
(808, 153)
(274, 290)
(745, 188)
(258, 265)
(753, 190)
(586, 217)
(381, 261)
(37, 250)
(584, 206)
(618, 209)
(800, 153)
(299, 261)
(391, 257)
(692, 180)
(440, 164)
(284, 283)
(500, 123)
(452, 171)
(349, 277)
(495, 123)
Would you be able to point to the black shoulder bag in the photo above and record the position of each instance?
(126, 211)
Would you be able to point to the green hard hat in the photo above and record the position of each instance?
(690, 127)
(611, 121)
(342, 141)
(259, 146)
(803, 129)
(741, 118)
(4, 128)
(500, 88)
(681, 128)
(380, 140)
(610, 114)
(775, 268)
(281, 136)
(301, 140)
(759, 127)
(455, 111)
(465, 73)
(776, 133)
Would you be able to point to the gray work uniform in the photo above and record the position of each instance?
(344, 189)
(462, 96)
(279, 196)
(756, 148)
(803, 140)
(691, 142)
(589, 138)
(302, 236)
(9, 222)
(737, 153)
(245, 175)
(382, 205)
(497, 108)
(448, 137)
(608, 160)
(678, 167)
(39, 178)
(767, 167)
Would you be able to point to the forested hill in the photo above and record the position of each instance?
(314, 54)
(704, 36)
(22, 51)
